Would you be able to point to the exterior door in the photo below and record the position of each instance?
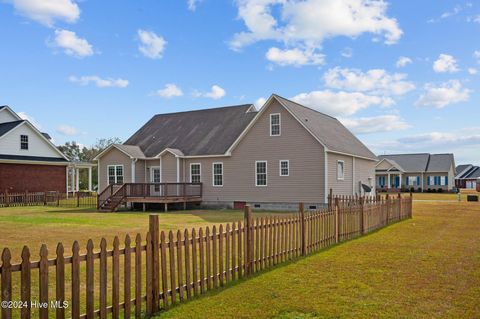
(155, 177)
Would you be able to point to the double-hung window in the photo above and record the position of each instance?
(24, 142)
(284, 168)
(260, 173)
(115, 174)
(411, 180)
(217, 169)
(195, 173)
(275, 129)
(340, 170)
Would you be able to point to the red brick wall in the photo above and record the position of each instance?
(34, 178)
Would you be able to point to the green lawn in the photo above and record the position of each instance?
(427, 267)
(35, 225)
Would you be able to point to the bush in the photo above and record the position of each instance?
(419, 190)
(440, 190)
(434, 190)
(412, 189)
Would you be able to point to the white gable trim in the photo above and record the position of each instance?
(36, 131)
(255, 119)
(263, 109)
(96, 158)
(394, 165)
(7, 108)
(171, 151)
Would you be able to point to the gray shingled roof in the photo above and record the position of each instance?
(474, 174)
(410, 162)
(8, 126)
(201, 132)
(333, 134)
(422, 162)
(440, 162)
(461, 169)
(33, 158)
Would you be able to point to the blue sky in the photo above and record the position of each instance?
(403, 75)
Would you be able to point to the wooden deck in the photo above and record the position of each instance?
(145, 193)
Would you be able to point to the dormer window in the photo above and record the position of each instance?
(275, 124)
(24, 142)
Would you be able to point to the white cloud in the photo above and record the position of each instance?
(461, 139)
(476, 55)
(340, 103)
(377, 81)
(151, 44)
(72, 44)
(170, 90)
(48, 11)
(347, 52)
(472, 71)
(67, 130)
(445, 63)
(403, 61)
(446, 93)
(215, 93)
(260, 102)
(295, 57)
(192, 4)
(376, 124)
(99, 82)
(310, 22)
(25, 116)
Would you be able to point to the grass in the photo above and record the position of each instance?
(36, 225)
(427, 267)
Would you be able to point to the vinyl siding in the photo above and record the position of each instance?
(305, 154)
(340, 187)
(6, 116)
(364, 169)
(37, 146)
(169, 168)
(114, 157)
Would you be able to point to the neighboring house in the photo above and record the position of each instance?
(468, 176)
(421, 172)
(29, 161)
(283, 154)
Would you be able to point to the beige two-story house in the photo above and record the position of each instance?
(276, 157)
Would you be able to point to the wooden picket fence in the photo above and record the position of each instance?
(72, 200)
(162, 269)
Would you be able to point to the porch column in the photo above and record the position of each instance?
(388, 180)
(89, 178)
(400, 177)
(77, 179)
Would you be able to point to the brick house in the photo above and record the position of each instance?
(29, 161)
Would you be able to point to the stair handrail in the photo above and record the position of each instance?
(122, 189)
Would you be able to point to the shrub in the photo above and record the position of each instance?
(419, 190)
(412, 189)
(440, 190)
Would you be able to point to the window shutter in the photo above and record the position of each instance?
(418, 180)
(446, 180)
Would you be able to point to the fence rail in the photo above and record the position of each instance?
(79, 199)
(162, 269)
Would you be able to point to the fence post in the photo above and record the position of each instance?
(362, 217)
(7, 199)
(248, 239)
(301, 210)
(330, 199)
(336, 219)
(410, 206)
(400, 214)
(45, 198)
(78, 199)
(155, 253)
(387, 202)
(25, 198)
